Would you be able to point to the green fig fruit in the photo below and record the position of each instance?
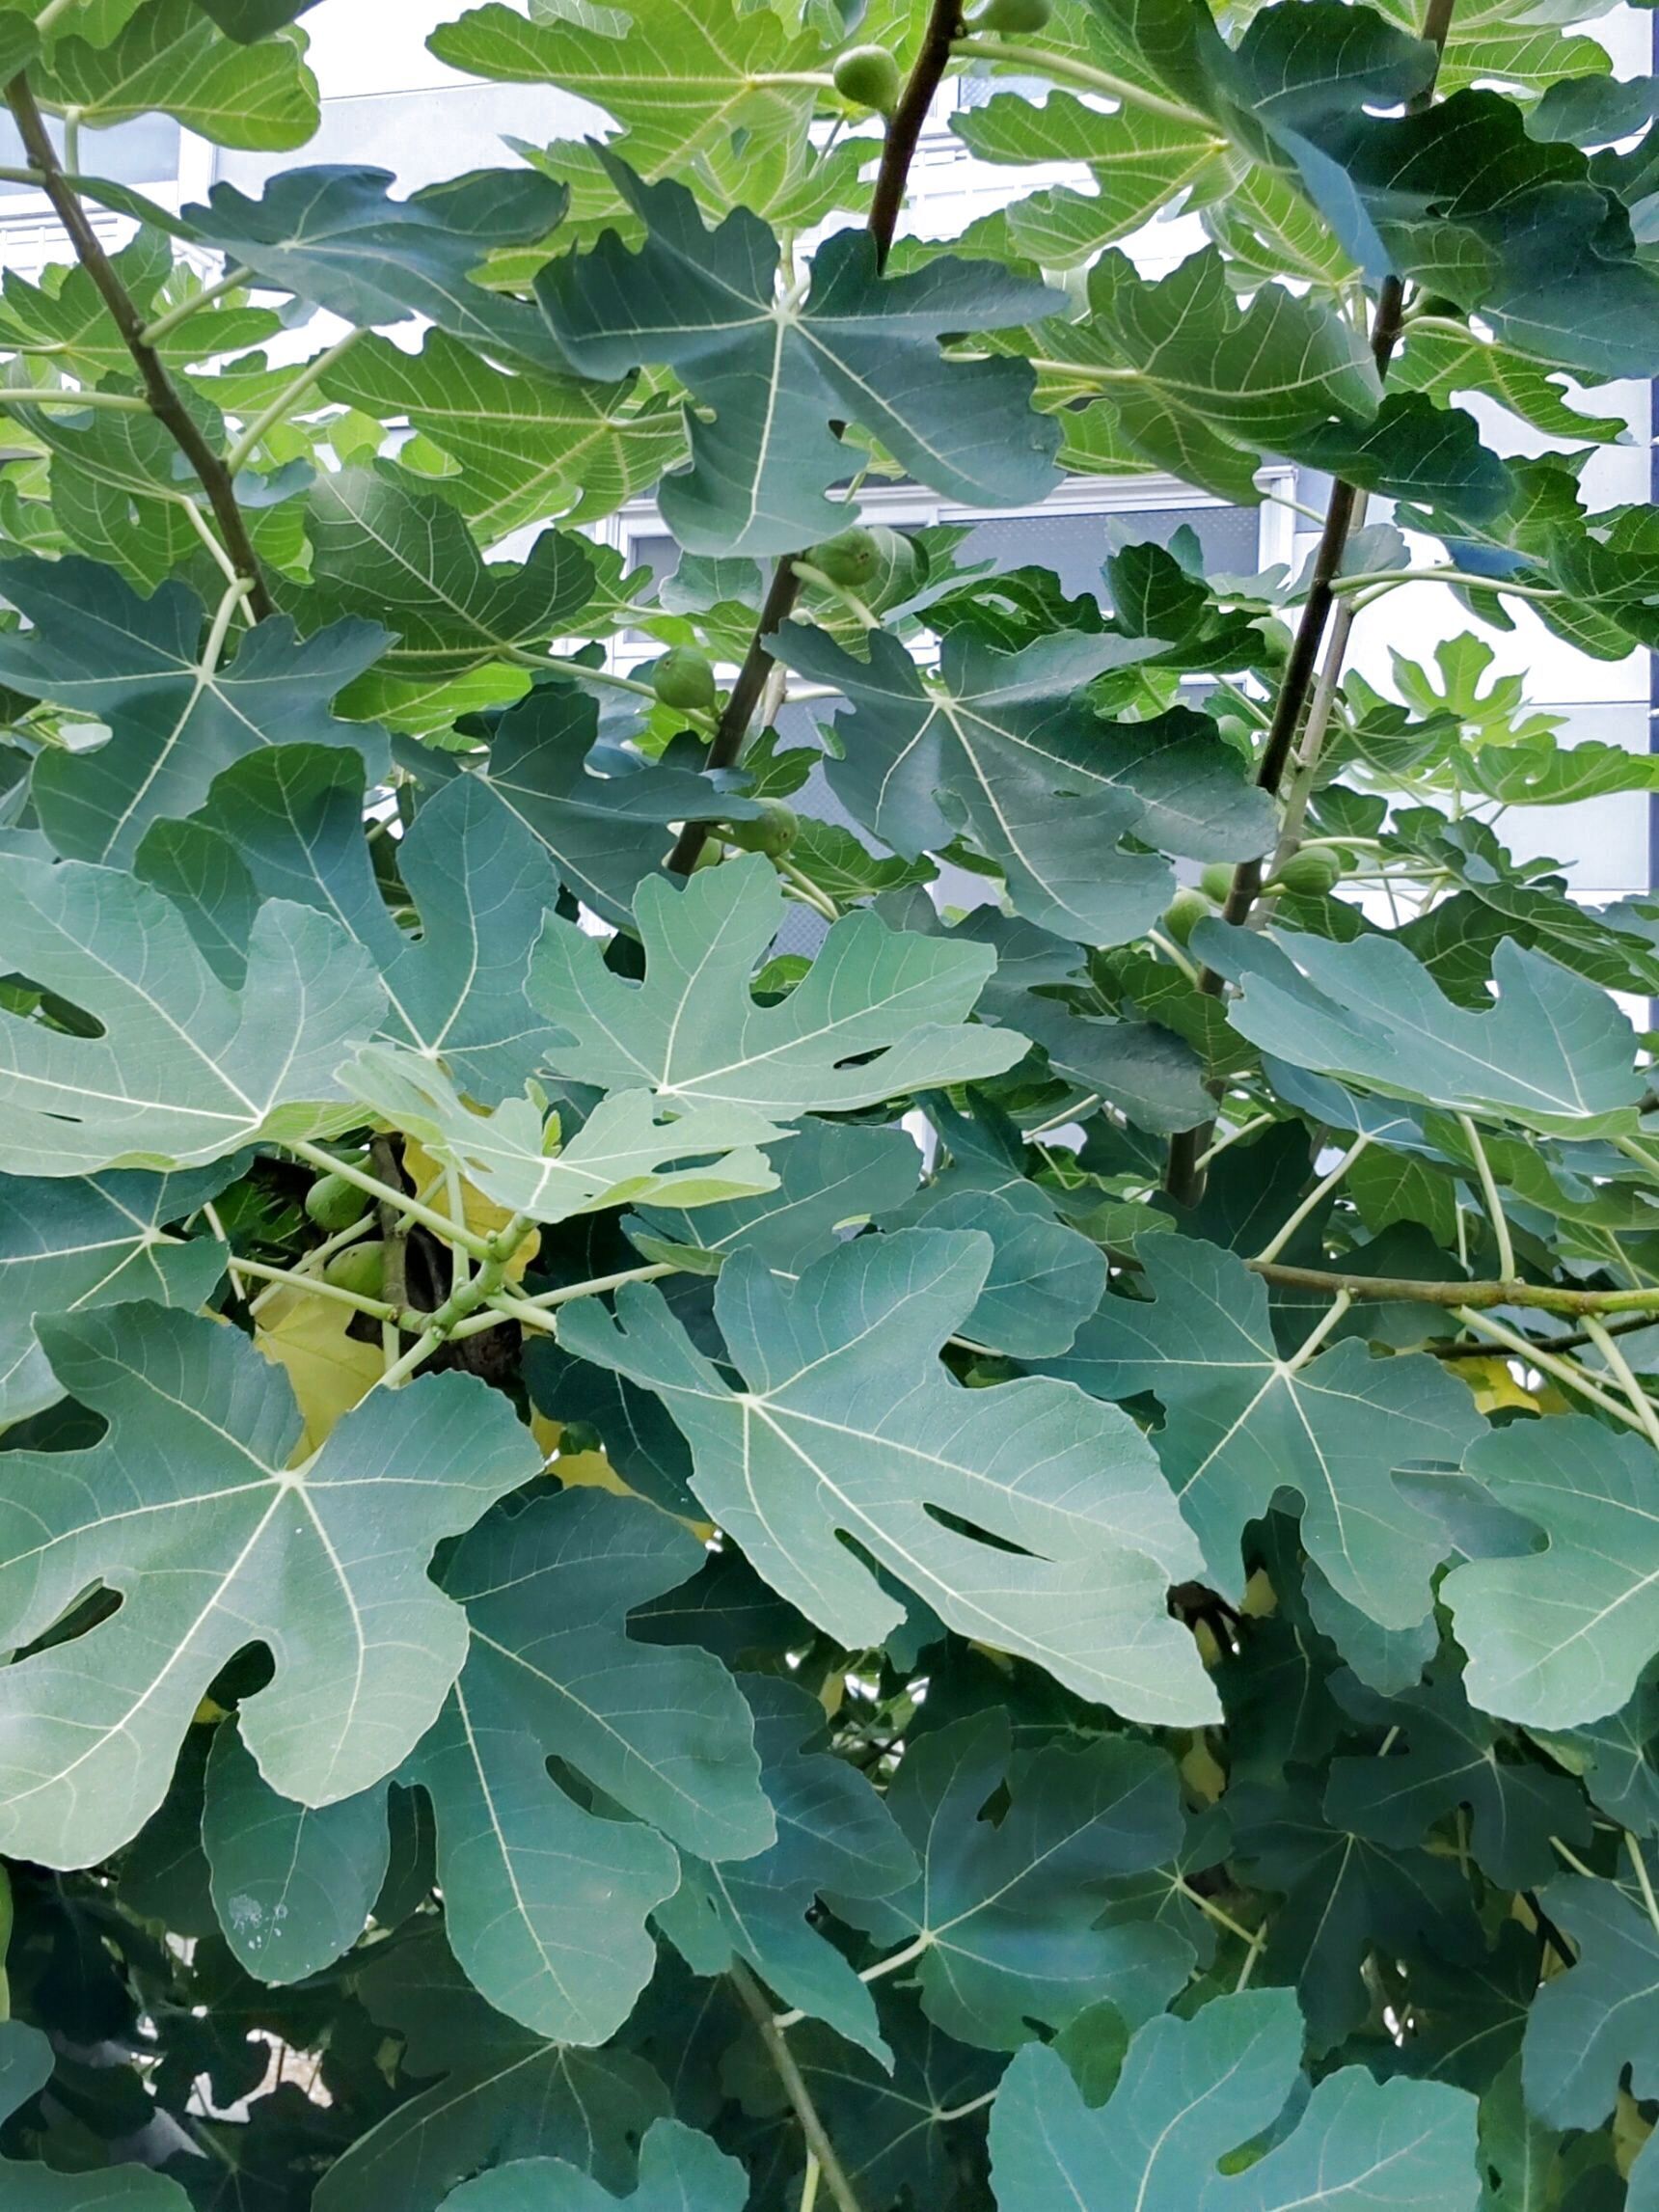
(1217, 880)
(334, 1204)
(772, 832)
(869, 76)
(1014, 18)
(1312, 871)
(683, 680)
(849, 559)
(360, 1269)
(1184, 912)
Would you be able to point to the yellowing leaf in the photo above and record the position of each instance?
(330, 1370)
(593, 1472)
(1493, 1383)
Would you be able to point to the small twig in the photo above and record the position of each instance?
(165, 400)
(812, 2128)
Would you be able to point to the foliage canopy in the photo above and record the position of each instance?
(680, 1527)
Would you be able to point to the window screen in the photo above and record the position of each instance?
(143, 152)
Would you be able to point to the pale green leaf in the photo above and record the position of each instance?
(189, 1509)
(528, 448)
(880, 1012)
(336, 236)
(1553, 1053)
(184, 1071)
(68, 1245)
(1241, 1422)
(1007, 1908)
(1561, 1635)
(172, 58)
(847, 1426)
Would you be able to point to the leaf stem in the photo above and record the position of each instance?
(1565, 1371)
(1309, 1204)
(383, 1194)
(1571, 1859)
(1641, 1403)
(818, 2142)
(1643, 1879)
(1489, 1195)
(64, 396)
(1213, 1911)
(314, 1286)
(1364, 581)
(233, 280)
(882, 1967)
(278, 410)
(1065, 69)
(164, 399)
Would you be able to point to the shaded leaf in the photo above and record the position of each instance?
(1195, 2089)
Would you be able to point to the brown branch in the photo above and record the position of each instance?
(904, 124)
(1183, 1179)
(166, 402)
(794, 2087)
(898, 152)
(738, 713)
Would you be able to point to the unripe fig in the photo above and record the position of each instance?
(850, 559)
(1014, 18)
(870, 76)
(1217, 880)
(334, 1204)
(360, 1269)
(1313, 871)
(772, 832)
(683, 679)
(1185, 911)
(710, 854)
